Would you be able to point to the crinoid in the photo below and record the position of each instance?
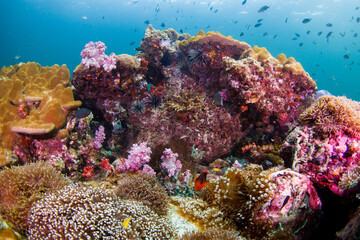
(153, 101)
(196, 57)
(138, 107)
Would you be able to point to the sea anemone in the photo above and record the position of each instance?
(153, 101)
(211, 234)
(94, 213)
(23, 185)
(144, 188)
(138, 107)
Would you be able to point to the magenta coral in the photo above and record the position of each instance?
(169, 162)
(94, 56)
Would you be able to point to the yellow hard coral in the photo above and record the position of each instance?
(45, 89)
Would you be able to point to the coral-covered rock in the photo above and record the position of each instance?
(260, 201)
(332, 162)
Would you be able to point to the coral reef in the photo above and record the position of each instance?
(93, 213)
(22, 186)
(144, 188)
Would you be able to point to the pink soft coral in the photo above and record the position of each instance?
(138, 156)
(169, 162)
(94, 56)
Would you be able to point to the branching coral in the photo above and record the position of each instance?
(93, 213)
(22, 186)
(144, 188)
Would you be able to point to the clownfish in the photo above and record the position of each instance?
(200, 181)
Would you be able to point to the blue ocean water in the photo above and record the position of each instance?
(55, 31)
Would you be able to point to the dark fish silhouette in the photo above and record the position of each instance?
(216, 10)
(242, 34)
(355, 35)
(329, 25)
(275, 36)
(147, 22)
(342, 34)
(263, 9)
(358, 19)
(132, 43)
(211, 8)
(285, 202)
(162, 25)
(319, 33)
(243, 3)
(296, 34)
(308, 32)
(157, 9)
(301, 44)
(265, 34)
(286, 20)
(328, 36)
(294, 38)
(306, 20)
(258, 25)
(259, 20)
(181, 31)
(346, 56)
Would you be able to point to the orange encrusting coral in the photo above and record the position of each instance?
(34, 100)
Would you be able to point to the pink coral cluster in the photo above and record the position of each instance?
(94, 56)
(170, 163)
(139, 154)
(99, 137)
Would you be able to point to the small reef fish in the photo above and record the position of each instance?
(200, 181)
(216, 169)
(355, 35)
(308, 32)
(301, 44)
(306, 20)
(162, 25)
(329, 25)
(242, 34)
(346, 56)
(259, 20)
(147, 22)
(265, 34)
(17, 57)
(286, 20)
(319, 33)
(342, 34)
(263, 9)
(285, 202)
(297, 35)
(358, 19)
(125, 223)
(132, 43)
(243, 3)
(157, 9)
(218, 99)
(275, 36)
(84, 17)
(258, 25)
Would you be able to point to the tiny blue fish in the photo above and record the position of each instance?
(263, 9)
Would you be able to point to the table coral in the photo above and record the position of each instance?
(35, 100)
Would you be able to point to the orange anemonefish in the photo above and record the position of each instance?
(200, 181)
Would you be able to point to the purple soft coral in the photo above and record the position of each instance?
(94, 56)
